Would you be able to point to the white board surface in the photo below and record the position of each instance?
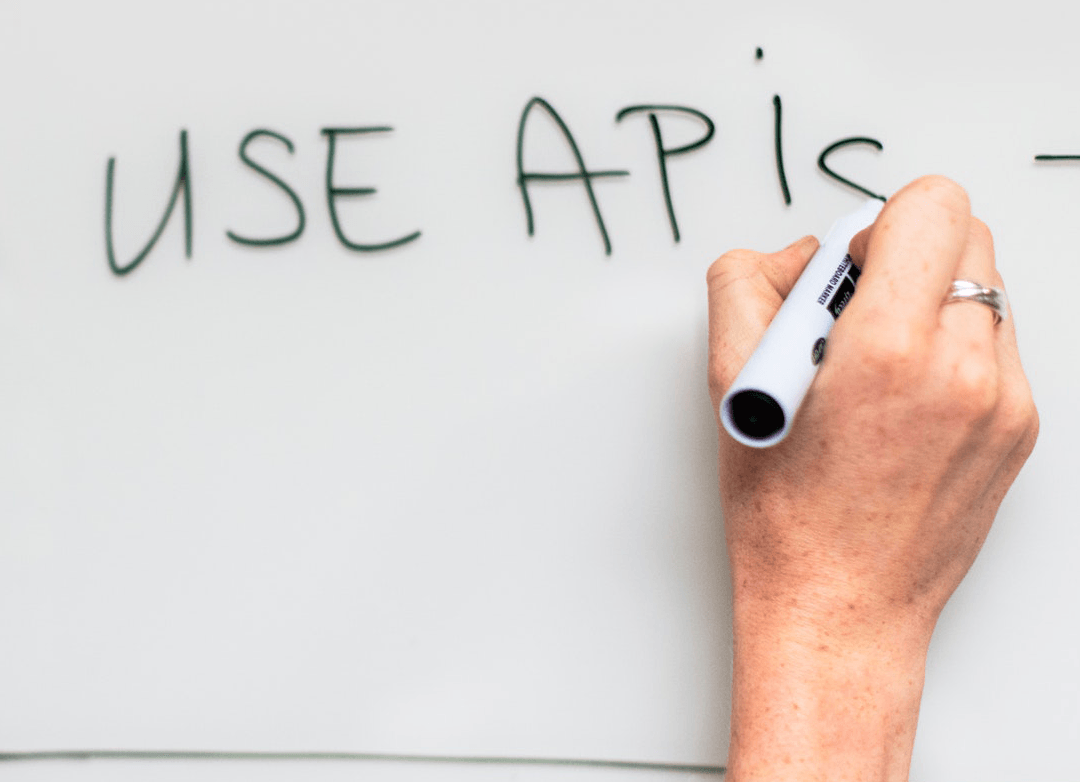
(458, 497)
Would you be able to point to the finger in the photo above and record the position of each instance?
(965, 341)
(910, 258)
(857, 246)
(782, 269)
(1014, 394)
(1016, 417)
(746, 289)
(1008, 351)
(971, 321)
(968, 321)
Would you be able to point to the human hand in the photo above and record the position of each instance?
(847, 538)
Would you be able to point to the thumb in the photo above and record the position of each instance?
(746, 288)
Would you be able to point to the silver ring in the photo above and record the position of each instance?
(994, 298)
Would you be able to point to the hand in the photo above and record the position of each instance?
(847, 538)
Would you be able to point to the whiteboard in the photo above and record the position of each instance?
(457, 496)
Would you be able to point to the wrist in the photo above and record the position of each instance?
(818, 696)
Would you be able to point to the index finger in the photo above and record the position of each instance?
(909, 256)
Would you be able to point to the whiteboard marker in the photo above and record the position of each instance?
(760, 405)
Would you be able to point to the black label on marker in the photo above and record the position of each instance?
(843, 295)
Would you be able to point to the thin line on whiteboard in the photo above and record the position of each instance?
(75, 754)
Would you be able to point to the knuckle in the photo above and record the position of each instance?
(1019, 418)
(898, 354)
(1031, 434)
(944, 192)
(734, 263)
(973, 386)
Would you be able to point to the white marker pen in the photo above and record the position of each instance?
(761, 403)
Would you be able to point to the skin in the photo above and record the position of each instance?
(847, 538)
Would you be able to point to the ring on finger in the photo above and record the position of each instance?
(994, 298)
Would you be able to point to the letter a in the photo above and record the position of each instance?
(582, 173)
